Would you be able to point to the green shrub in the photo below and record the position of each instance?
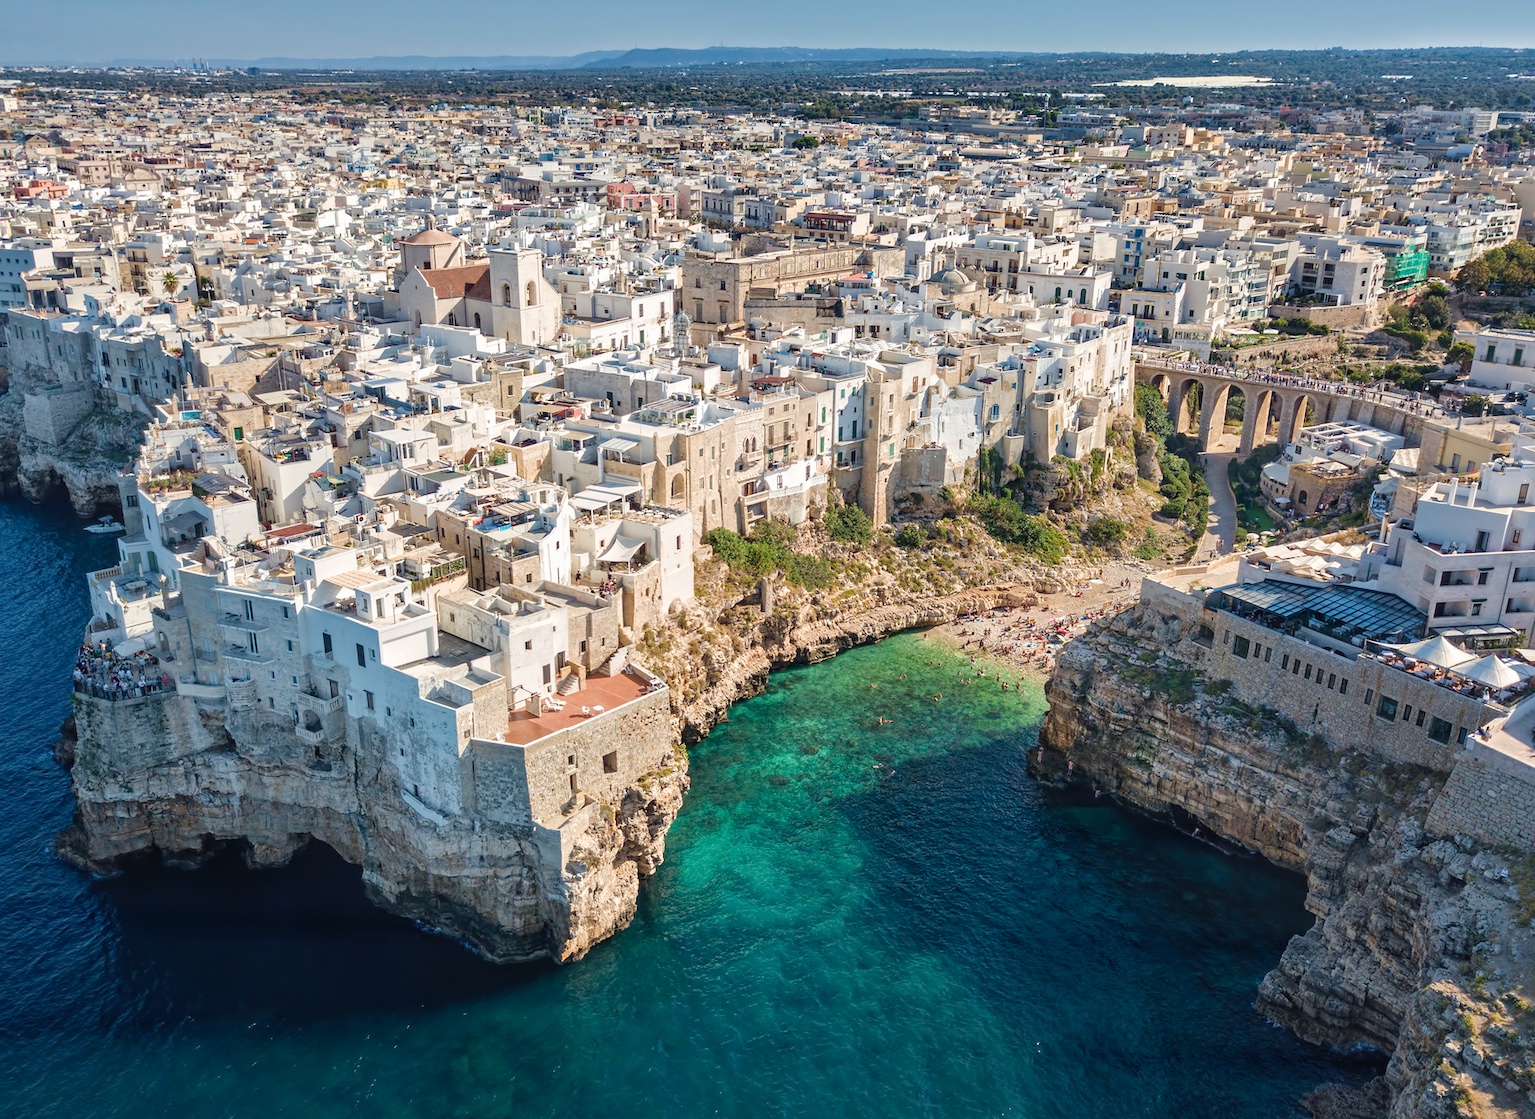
(911, 536)
(849, 524)
(1007, 522)
(1105, 532)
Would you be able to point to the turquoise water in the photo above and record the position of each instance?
(852, 920)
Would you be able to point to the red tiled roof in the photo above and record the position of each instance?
(456, 283)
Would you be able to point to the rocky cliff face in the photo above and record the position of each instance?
(83, 469)
(807, 637)
(510, 893)
(1421, 946)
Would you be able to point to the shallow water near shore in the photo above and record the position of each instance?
(853, 919)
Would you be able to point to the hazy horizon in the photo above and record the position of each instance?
(104, 31)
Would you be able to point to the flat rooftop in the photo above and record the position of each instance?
(606, 692)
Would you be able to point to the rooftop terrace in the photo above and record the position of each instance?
(601, 694)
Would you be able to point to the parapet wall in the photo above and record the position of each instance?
(141, 734)
(1489, 798)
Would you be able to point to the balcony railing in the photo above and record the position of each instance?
(245, 653)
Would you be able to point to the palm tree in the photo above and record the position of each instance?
(170, 282)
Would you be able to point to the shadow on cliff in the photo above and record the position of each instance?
(281, 946)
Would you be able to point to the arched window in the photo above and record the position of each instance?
(477, 321)
(452, 319)
(1057, 295)
(506, 294)
(1084, 295)
(677, 486)
(532, 293)
(1300, 499)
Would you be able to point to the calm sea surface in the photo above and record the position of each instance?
(852, 920)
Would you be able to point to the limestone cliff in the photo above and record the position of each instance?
(1421, 945)
(724, 673)
(510, 892)
(83, 464)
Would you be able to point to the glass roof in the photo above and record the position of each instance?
(1374, 614)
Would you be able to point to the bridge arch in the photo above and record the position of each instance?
(1183, 403)
(1260, 417)
(1300, 410)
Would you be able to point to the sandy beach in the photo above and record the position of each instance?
(1022, 641)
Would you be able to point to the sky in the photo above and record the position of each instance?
(105, 30)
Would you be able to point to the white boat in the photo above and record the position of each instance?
(106, 524)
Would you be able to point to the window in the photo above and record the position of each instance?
(1308, 672)
(362, 659)
(610, 762)
(1268, 654)
(1332, 680)
(1439, 730)
(1369, 694)
(368, 699)
(1421, 714)
(1284, 661)
(325, 641)
(1407, 713)
(1240, 647)
(1386, 709)
(1343, 687)
(1295, 667)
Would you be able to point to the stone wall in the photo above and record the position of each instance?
(1325, 691)
(611, 753)
(1490, 798)
(52, 414)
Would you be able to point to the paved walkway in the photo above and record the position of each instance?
(1221, 533)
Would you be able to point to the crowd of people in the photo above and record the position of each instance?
(1030, 637)
(1379, 392)
(100, 672)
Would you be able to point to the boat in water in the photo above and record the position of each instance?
(106, 524)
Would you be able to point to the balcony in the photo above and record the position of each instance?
(247, 654)
(243, 624)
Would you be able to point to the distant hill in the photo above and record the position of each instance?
(659, 57)
(430, 62)
(636, 59)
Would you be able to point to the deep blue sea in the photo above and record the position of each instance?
(853, 920)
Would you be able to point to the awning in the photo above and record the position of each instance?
(621, 550)
(1492, 671)
(617, 446)
(1436, 650)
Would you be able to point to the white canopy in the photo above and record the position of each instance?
(1493, 672)
(1436, 650)
(621, 550)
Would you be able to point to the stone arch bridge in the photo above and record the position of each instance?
(1274, 408)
